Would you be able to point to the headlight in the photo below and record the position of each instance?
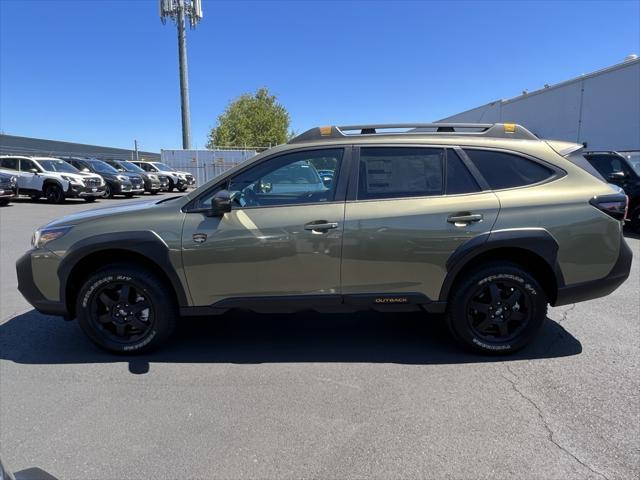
(13, 181)
(42, 236)
(122, 178)
(72, 180)
(153, 177)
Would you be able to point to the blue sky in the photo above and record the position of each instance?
(105, 72)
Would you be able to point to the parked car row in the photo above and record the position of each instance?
(57, 179)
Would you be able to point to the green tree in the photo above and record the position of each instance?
(253, 121)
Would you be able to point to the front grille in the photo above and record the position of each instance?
(5, 183)
(92, 182)
(137, 182)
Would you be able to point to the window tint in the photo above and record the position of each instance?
(459, 179)
(505, 170)
(395, 172)
(285, 180)
(27, 165)
(10, 163)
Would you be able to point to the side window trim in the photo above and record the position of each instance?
(341, 189)
(475, 173)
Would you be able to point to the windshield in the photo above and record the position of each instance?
(102, 167)
(130, 167)
(162, 166)
(57, 166)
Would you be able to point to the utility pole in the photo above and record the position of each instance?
(177, 10)
(135, 145)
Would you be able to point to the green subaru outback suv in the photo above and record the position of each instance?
(483, 222)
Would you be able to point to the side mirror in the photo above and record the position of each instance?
(85, 169)
(617, 175)
(34, 170)
(220, 204)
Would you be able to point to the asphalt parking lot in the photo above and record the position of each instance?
(322, 396)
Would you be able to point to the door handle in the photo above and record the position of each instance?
(464, 218)
(320, 226)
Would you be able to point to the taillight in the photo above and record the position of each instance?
(614, 205)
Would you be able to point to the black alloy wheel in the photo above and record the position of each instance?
(54, 193)
(126, 309)
(108, 193)
(496, 308)
(122, 311)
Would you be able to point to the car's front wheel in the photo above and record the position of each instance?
(497, 308)
(635, 220)
(54, 193)
(126, 309)
(89, 199)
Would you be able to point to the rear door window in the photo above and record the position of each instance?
(10, 163)
(397, 172)
(507, 170)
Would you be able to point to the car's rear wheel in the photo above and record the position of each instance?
(126, 309)
(182, 189)
(89, 199)
(497, 308)
(54, 193)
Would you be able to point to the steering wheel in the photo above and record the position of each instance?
(246, 198)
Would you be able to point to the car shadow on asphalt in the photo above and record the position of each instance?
(249, 338)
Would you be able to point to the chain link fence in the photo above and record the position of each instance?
(206, 165)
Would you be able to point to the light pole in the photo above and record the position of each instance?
(177, 10)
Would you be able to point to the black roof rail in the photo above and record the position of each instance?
(492, 130)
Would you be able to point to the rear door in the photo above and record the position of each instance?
(408, 209)
(28, 179)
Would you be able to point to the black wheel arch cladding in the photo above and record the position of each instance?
(143, 243)
(534, 240)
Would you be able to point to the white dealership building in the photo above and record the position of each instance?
(599, 109)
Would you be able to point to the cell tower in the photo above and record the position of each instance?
(177, 10)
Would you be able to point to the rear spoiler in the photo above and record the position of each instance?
(564, 148)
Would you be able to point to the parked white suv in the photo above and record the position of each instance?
(177, 179)
(51, 178)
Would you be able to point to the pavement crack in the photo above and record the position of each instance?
(565, 314)
(545, 423)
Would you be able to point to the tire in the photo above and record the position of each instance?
(128, 195)
(171, 186)
(34, 198)
(53, 193)
(504, 290)
(103, 301)
(89, 199)
(182, 189)
(4, 202)
(154, 192)
(108, 192)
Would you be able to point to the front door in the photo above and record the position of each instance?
(283, 236)
(413, 207)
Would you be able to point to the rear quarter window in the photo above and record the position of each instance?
(507, 170)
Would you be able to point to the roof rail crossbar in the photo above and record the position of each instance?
(494, 130)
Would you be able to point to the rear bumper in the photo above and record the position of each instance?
(29, 290)
(580, 292)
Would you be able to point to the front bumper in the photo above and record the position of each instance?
(580, 292)
(27, 287)
(82, 191)
(7, 193)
